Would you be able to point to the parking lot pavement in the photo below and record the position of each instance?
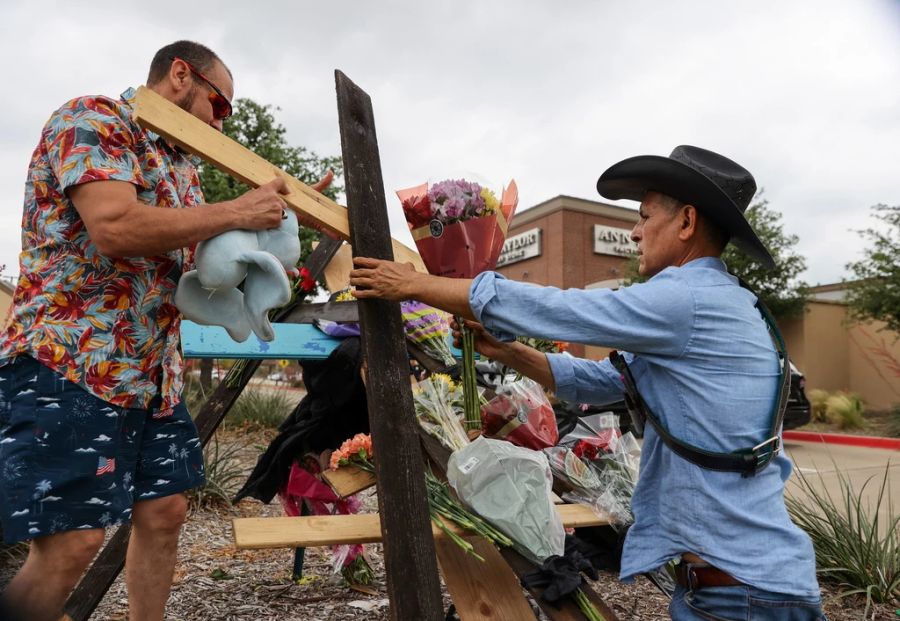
(822, 464)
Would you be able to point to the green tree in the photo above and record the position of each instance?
(254, 126)
(779, 288)
(875, 294)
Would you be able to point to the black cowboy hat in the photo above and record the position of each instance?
(718, 187)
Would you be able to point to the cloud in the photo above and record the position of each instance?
(85, 450)
(97, 501)
(797, 92)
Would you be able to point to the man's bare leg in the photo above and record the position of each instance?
(54, 565)
(150, 563)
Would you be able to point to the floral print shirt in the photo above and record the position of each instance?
(108, 324)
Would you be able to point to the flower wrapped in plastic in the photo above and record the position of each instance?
(428, 328)
(459, 228)
(438, 404)
(602, 469)
(521, 413)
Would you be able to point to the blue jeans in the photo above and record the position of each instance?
(742, 603)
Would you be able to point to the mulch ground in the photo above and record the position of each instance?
(214, 580)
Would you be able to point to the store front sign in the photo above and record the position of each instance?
(519, 247)
(613, 240)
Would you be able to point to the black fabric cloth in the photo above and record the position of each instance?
(560, 576)
(601, 545)
(333, 410)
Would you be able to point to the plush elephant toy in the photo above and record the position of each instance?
(262, 260)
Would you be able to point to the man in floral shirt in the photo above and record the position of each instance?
(92, 428)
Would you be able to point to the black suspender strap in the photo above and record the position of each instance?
(748, 461)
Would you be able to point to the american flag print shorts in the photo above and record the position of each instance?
(71, 461)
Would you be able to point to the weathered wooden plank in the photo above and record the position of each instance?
(341, 312)
(412, 578)
(348, 480)
(96, 581)
(153, 112)
(568, 610)
(326, 530)
(481, 590)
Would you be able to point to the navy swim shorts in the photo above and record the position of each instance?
(71, 461)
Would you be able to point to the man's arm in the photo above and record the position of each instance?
(376, 278)
(120, 225)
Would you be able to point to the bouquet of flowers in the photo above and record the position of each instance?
(438, 404)
(442, 506)
(602, 469)
(521, 413)
(459, 228)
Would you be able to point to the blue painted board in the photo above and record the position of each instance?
(293, 341)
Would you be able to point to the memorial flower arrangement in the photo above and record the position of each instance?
(438, 405)
(459, 228)
(442, 506)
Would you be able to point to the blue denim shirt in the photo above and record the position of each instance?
(705, 364)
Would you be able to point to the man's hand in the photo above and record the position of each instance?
(375, 278)
(318, 186)
(261, 208)
(485, 344)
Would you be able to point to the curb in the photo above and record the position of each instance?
(891, 444)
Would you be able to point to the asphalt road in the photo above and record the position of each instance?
(823, 465)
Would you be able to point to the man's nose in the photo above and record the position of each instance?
(217, 123)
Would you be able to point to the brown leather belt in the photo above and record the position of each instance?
(692, 576)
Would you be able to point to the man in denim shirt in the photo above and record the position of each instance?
(703, 361)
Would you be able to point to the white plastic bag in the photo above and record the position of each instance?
(510, 487)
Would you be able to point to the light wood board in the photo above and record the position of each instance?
(482, 590)
(156, 113)
(325, 530)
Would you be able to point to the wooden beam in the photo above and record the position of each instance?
(413, 585)
(158, 114)
(485, 590)
(326, 530)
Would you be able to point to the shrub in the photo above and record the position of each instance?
(259, 407)
(845, 409)
(894, 421)
(223, 471)
(817, 398)
(855, 547)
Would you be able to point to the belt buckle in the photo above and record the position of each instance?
(775, 441)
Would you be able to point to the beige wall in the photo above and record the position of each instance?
(836, 354)
(6, 295)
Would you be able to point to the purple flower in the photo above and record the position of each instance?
(456, 199)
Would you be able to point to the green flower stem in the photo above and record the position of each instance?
(587, 607)
(471, 401)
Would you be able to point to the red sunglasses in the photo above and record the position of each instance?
(220, 104)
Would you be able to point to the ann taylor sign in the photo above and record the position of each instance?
(613, 240)
(520, 247)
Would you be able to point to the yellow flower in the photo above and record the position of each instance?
(345, 296)
(490, 201)
(443, 377)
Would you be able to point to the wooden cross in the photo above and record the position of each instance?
(492, 590)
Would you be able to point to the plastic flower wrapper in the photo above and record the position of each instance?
(428, 327)
(510, 487)
(521, 414)
(459, 228)
(438, 406)
(602, 470)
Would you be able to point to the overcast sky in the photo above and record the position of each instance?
(805, 94)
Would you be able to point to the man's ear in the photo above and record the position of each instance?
(688, 224)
